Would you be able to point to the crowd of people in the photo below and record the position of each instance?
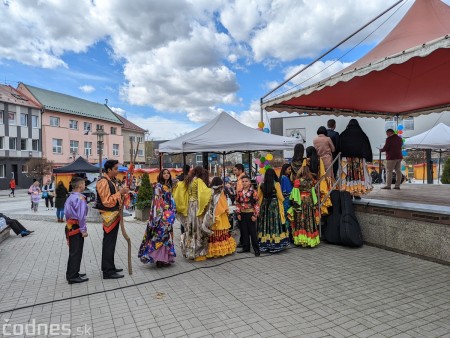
(279, 212)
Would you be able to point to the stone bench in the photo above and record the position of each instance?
(4, 234)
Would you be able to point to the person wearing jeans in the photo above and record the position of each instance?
(247, 209)
(393, 149)
(60, 198)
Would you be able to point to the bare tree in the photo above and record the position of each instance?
(37, 168)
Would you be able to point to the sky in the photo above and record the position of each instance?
(170, 66)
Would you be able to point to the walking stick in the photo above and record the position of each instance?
(125, 235)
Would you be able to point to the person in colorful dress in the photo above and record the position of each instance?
(76, 210)
(247, 210)
(192, 197)
(35, 194)
(304, 213)
(286, 188)
(356, 152)
(273, 232)
(317, 170)
(109, 197)
(216, 223)
(157, 245)
(297, 160)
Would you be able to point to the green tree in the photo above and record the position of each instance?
(446, 172)
(145, 194)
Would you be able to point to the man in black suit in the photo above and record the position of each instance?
(334, 135)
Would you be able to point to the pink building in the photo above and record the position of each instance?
(68, 124)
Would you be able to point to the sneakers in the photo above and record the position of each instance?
(386, 187)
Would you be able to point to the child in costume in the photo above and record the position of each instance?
(216, 223)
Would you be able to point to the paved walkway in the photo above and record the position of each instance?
(328, 291)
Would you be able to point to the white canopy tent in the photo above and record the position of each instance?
(436, 138)
(225, 134)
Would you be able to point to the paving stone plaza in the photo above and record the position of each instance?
(329, 291)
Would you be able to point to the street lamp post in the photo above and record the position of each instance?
(100, 133)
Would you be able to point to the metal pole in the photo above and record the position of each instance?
(223, 166)
(100, 145)
(439, 165)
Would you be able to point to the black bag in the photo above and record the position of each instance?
(333, 220)
(376, 177)
(350, 230)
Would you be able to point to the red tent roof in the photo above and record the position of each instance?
(407, 73)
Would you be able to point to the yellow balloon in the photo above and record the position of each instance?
(260, 124)
(269, 157)
(262, 171)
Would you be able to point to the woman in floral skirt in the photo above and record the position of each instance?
(304, 212)
(157, 244)
(272, 227)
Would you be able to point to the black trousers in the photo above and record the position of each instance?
(76, 243)
(16, 226)
(12, 191)
(49, 199)
(108, 250)
(248, 231)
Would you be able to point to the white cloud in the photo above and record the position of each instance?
(175, 53)
(120, 111)
(87, 89)
(161, 128)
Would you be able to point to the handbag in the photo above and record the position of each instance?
(44, 194)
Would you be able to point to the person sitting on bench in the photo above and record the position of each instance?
(15, 225)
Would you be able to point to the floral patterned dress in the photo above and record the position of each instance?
(157, 244)
(304, 214)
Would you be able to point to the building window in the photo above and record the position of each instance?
(11, 118)
(13, 143)
(407, 123)
(1, 116)
(87, 148)
(2, 140)
(57, 146)
(24, 120)
(198, 158)
(113, 130)
(73, 147)
(73, 124)
(2, 170)
(115, 150)
(54, 121)
(132, 138)
(140, 152)
(35, 145)
(99, 126)
(87, 126)
(23, 144)
(35, 121)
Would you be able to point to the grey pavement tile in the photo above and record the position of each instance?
(364, 292)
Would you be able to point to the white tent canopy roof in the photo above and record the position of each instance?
(437, 137)
(226, 134)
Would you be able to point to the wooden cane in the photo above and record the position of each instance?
(125, 235)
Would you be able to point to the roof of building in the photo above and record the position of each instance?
(72, 105)
(9, 94)
(128, 125)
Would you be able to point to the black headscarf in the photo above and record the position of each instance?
(353, 142)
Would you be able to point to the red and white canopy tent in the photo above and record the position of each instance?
(406, 74)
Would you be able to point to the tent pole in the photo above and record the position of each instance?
(223, 166)
(184, 159)
(439, 165)
(250, 164)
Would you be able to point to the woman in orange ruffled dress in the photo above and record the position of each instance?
(216, 223)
